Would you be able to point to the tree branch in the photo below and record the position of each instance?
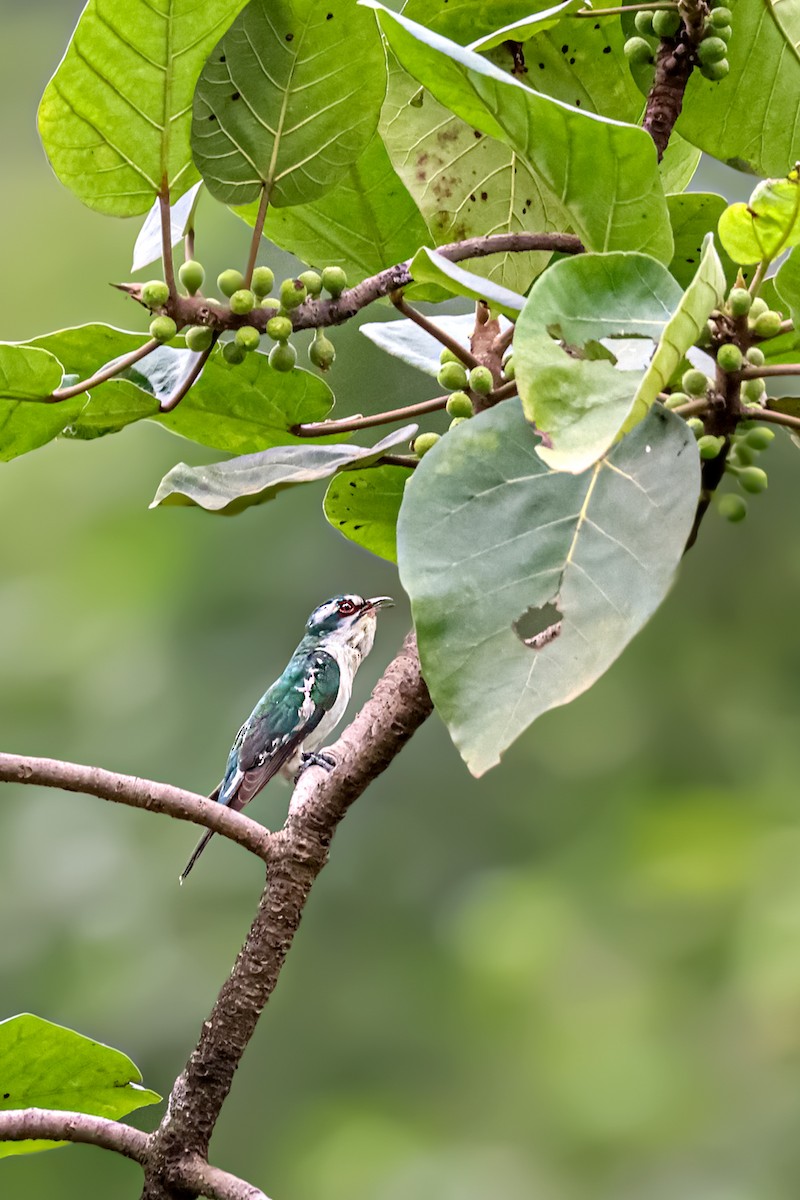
(461, 352)
(398, 706)
(675, 61)
(201, 1179)
(350, 424)
(105, 373)
(138, 793)
(56, 1125)
(188, 383)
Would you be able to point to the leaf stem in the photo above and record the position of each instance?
(765, 371)
(105, 373)
(166, 239)
(758, 278)
(258, 231)
(185, 385)
(351, 424)
(772, 418)
(667, 6)
(461, 352)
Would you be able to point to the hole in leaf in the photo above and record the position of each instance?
(537, 627)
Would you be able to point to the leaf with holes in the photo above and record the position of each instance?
(429, 267)
(230, 487)
(43, 1065)
(602, 174)
(367, 222)
(288, 100)
(693, 215)
(364, 506)
(513, 623)
(749, 119)
(115, 117)
(578, 400)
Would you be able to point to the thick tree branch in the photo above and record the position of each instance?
(137, 793)
(398, 706)
(51, 1124)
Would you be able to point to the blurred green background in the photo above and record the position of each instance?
(575, 979)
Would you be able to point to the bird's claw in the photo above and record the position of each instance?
(317, 758)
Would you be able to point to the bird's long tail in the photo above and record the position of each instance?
(201, 845)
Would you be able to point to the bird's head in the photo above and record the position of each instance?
(348, 620)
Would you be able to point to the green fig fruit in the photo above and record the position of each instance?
(230, 281)
(676, 400)
(447, 356)
(198, 338)
(334, 280)
(155, 293)
(767, 324)
(697, 427)
(721, 16)
(481, 381)
(262, 281)
(638, 51)
(666, 23)
(425, 442)
(753, 479)
(247, 337)
(192, 275)
(709, 446)
(716, 70)
(233, 354)
(739, 301)
(729, 357)
(452, 376)
(694, 382)
(732, 507)
(756, 356)
(282, 356)
(292, 293)
(753, 390)
(457, 421)
(270, 302)
(509, 370)
(711, 50)
(758, 307)
(163, 329)
(643, 22)
(742, 455)
(459, 405)
(760, 438)
(243, 302)
(322, 351)
(313, 282)
(279, 328)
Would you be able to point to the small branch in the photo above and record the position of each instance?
(109, 371)
(758, 278)
(201, 1179)
(411, 461)
(504, 392)
(624, 8)
(351, 424)
(258, 230)
(166, 239)
(503, 340)
(771, 417)
(185, 386)
(398, 706)
(776, 370)
(461, 352)
(56, 1125)
(694, 408)
(138, 793)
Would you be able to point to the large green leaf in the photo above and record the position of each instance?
(603, 173)
(47, 1066)
(576, 396)
(27, 421)
(288, 100)
(115, 117)
(231, 486)
(767, 225)
(466, 20)
(787, 282)
(364, 506)
(751, 119)
(527, 584)
(368, 221)
(465, 184)
(429, 267)
(238, 409)
(693, 215)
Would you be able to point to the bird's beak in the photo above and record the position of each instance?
(378, 602)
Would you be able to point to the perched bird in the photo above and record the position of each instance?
(304, 705)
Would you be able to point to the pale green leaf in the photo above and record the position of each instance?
(787, 282)
(579, 401)
(364, 506)
(767, 225)
(429, 267)
(693, 215)
(415, 346)
(604, 173)
(27, 373)
(239, 483)
(27, 420)
(288, 100)
(528, 620)
(115, 117)
(47, 1066)
(525, 28)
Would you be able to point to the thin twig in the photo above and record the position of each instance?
(258, 230)
(166, 238)
(181, 390)
(774, 370)
(137, 793)
(441, 336)
(350, 424)
(57, 1125)
(504, 392)
(503, 340)
(667, 6)
(772, 418)
(109, 371)
(694, 408)
(758, 278)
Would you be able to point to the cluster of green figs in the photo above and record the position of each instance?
(456, 378)
(652, 26)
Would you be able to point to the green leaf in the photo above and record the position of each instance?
(693, 215)
(525, 28)
(367, 222)
(787, 283)
(750, 119)
(364, 506)
(705, 293)
(465, 184)
(288, 100)
(27, 376)
(47, 1066)
(114, 119)
(429, 267)
(414, 346)
(465, 20)
(579, 403)
(583, 562)
(767, 225)
(232, 486)
(602, 174)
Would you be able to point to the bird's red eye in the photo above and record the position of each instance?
(346, 607)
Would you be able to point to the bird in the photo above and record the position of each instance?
(302, 707)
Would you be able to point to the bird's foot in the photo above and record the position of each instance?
(317, 758)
